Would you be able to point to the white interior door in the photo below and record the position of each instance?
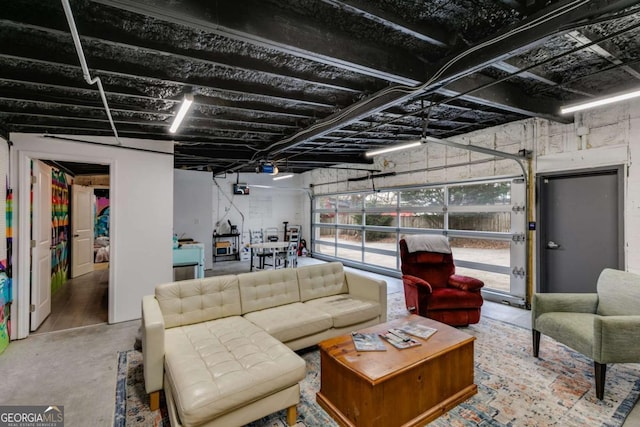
(41, 246)
(81, 230)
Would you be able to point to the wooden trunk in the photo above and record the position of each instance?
(396, 387)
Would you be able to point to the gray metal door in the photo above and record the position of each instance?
(580, 230)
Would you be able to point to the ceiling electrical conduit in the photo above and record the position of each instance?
(425, 86)
(83, 64)
(485, 86)
(410, 91)
(488, 85)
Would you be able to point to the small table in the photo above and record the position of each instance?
(190, 255)
(234, 245)
(272, 247)
(408, 387)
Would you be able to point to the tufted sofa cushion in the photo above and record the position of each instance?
(198, 300)
(317, 281)
(269, 288)
(291, 321)
(345, 310)
(218, 366)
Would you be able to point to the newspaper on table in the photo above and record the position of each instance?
(367, 342)
(417, 330)
(399, 339)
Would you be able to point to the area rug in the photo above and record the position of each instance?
(514, 388)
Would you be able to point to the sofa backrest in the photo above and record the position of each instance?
(321, 280)
(618, 293)
(199, 300)
(268, 288)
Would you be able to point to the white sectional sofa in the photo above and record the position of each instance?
(222, 347)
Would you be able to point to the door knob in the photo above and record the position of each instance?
(76, 235)
(552, 245)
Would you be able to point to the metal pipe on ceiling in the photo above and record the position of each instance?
(446, 73)
(124, 147)
(85, 68)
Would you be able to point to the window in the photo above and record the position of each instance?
(381, 200)
(424, 220)
(424, 197)
(480, 221)
(494, 193)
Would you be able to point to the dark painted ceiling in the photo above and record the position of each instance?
(307, 83)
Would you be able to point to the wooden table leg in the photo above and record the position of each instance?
(292, 415)
(154, 400)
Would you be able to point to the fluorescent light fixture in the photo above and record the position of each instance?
(184, 107)
(599, 102)
(286, 176)
(392, 148)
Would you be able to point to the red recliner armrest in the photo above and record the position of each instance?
(465, 283)
(416, 281)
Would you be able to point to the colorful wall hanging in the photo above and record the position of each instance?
(101, 228)
(59, 229)
(6, 245)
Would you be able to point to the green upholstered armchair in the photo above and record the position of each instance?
(604, 326)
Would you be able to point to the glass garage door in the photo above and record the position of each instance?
(485, 222)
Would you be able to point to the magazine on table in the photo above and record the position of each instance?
(367, 342)
(399, 339)
(417, 330)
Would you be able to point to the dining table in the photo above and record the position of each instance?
(273, 248)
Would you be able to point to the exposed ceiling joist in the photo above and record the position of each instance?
(314, 80)
(290, 34)
(433, 35)
(535, 29)
(603, 49)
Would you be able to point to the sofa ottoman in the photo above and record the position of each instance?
(247, 364)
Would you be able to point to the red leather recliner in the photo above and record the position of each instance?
(431, 287)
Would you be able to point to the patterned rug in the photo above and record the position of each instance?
(514, 388)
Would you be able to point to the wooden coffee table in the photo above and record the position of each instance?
(406, 387)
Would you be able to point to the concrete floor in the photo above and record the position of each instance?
(82, 301)
(77, 367)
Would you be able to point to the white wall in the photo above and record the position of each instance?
(262, 207)
(202, 205)
(192, 213)
(141, 189)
